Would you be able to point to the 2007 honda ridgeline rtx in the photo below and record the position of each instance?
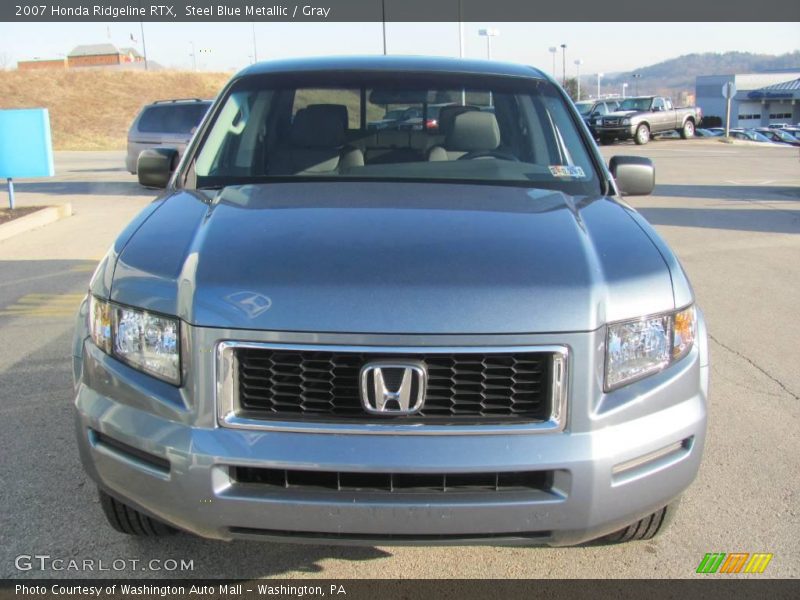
(449, 333)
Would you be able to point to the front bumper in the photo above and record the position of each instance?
(622, 132)
(589, 494)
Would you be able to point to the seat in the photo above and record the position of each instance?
(448, 114)
(317, 143)
(472, 131)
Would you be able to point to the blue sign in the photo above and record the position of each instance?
(25, 146)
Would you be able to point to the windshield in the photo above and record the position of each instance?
(635, 104)
(759, 137)
(584, 107)
(496, 130)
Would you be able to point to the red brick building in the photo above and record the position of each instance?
(99, 55)
(47, 63)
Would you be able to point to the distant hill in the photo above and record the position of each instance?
(678, 74)
(92, 109)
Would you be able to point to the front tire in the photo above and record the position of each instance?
(129, 521)
(642, 135)
(688, 130)
(644, 529)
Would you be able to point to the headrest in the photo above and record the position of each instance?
(448, 114)
(473, 131)
(320, 126)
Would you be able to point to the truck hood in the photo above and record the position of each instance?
(393, 258)
(622, 113)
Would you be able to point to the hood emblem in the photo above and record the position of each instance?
(250, 303)
(393, 387)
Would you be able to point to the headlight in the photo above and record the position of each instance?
(146, 341)
(626, 121)
(598, 122)
(641, 347)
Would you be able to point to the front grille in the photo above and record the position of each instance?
(293, 480)
(292, 384)
(611, 122)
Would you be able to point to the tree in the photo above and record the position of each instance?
(571, 87)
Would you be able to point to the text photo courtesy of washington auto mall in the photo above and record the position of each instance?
(379, 298)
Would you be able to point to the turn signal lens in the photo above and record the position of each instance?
(685, 330)
(100, 323)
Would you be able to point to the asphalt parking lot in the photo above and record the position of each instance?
(732, 214)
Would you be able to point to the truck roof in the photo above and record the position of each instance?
(394, 63)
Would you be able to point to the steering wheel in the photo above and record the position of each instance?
(489, 154)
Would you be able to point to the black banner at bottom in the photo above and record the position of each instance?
(579, 589)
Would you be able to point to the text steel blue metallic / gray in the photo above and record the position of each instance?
(445, 331)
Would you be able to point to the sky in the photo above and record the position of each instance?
(603, 47)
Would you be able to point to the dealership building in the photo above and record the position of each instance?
(761, 98)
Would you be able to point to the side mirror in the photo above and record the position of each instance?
(635, 175)
(155, 166)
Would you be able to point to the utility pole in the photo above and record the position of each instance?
(194, 58)
(383, 19)
(553, 51)
(461, 49)
(144, 46)
(564, 65)
(599, 75)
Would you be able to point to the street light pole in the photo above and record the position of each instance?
(564, 65)
(636, 78)
(255, 52)
(599, 75)
(553, 51)
(460, 32)
(489, 34)
(624, 86)
(578, 64)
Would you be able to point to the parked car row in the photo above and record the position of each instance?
(766, 135)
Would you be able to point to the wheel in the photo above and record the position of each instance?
(644, 529)
(642, 134)
(605, 140)
(688, 130)
(127, 520)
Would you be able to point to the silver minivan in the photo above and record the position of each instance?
(164, 124)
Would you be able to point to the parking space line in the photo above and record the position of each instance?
(44, 305)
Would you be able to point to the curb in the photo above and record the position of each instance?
(40, 218)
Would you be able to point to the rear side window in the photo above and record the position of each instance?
(172, 118)
(350, 99)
